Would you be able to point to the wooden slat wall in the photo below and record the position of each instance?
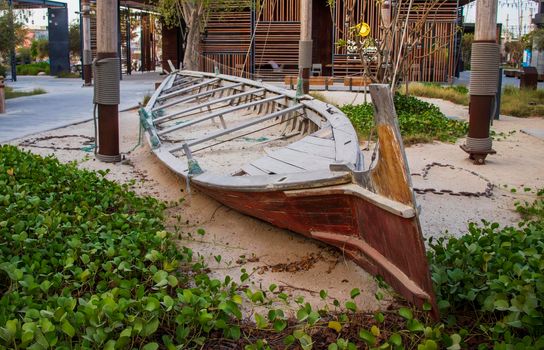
(227, 39)
(438, 66)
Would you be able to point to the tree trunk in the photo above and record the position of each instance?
(192, 49)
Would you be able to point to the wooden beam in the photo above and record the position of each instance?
(247, 124)
(217, 114)
(219, 100)
(192, 97)
(184, 90)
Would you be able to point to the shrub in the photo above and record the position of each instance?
(419, 121)
(33, 68)
(85, 263)
(497, 274)
(3, 70)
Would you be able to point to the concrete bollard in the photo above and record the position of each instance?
(2, 96)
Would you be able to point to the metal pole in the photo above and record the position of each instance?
(305, 44)
(498, 96)
(119, 39)
(129, 53)
(87, 57)
(483, 81)
(107, 81)
(2, 96)
(12, 58)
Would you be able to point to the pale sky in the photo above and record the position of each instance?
(40, 16)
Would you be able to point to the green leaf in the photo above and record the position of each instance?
(302, 315)
(501, 305)
(414, 325)
(150, 346)
(152, 304)
(350, 305)
(68, 329)
(280, 325)
(395, 339)
(288, 340)
(168, 302)
(306, 342)
(406, 313)
(367, 337)
(354, 293)
(150, 327)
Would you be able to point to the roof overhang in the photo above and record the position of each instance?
(37, 4)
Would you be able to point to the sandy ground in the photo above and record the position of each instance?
(297, 265)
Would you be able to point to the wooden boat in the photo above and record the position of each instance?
(296, 163)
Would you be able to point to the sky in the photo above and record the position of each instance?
(505, 10)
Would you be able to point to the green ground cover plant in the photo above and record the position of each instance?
(419, 121)
(492, 279)
(87, 264)
(33, 68)
(11, 93)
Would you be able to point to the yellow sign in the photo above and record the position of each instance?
(364, 29)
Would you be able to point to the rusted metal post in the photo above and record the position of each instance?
(87, 53)
(305, 44)
(483, 81)
(2, 96)
(106, 84)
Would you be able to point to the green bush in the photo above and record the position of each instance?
(419, 121)
(3, 70)
(33, 68)
(85, 263)
(497, 274)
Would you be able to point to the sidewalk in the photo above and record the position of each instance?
(65, 102)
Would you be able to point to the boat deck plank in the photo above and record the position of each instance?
(325, 133)
(325, 149)
(274, 166)
(302, 160)
(253, 170)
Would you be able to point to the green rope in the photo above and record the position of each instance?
(299, 88)
(194, 167)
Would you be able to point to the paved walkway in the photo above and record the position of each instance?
(65, 102)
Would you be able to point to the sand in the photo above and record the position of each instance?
(300, 266)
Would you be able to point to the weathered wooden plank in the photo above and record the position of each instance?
(219, 114)
(327, 151)
(252, 170)
(274, 166)
(300, 159)
(347, 149)
(318, 141)
(251, 122)
(208, 104)
(325, 133)
(195, 96)
(184, 90)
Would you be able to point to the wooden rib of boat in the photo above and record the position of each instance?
(296, 163)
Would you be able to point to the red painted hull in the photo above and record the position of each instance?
(382, 242)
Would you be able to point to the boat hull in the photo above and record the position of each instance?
(382, 241)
